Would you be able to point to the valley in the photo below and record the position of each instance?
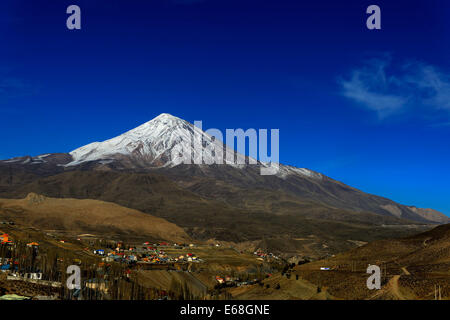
(124, 267)
(207, 231)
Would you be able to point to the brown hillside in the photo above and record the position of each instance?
(87, 216)
(272, 218)
(413, 268)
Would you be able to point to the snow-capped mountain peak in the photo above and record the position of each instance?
(155, 141)
(161, 141)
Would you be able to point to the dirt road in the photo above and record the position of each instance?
(392, 288)
(405, 271)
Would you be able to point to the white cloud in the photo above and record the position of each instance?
(381, 87)
(433, 84)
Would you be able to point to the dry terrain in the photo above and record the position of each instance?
(76, 216)
(411, 267)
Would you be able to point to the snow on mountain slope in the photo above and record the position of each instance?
(161, 141)
(289, 170)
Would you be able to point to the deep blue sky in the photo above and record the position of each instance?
(369, 108)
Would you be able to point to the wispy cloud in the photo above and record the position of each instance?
(434, 85)
(386, 89)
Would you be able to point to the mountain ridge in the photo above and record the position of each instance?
(150, 146)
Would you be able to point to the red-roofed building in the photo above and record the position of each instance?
(4, 238)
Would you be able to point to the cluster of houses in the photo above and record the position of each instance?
(234, 282)
(265, 256)
(6, 239)
(189, 257)
(8, 265)
(146, 253)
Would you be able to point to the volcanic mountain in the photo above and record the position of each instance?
(142, 169)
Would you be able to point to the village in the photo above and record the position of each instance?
(108, 266)
(103, 262)
(147, 254)
(133, 255)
